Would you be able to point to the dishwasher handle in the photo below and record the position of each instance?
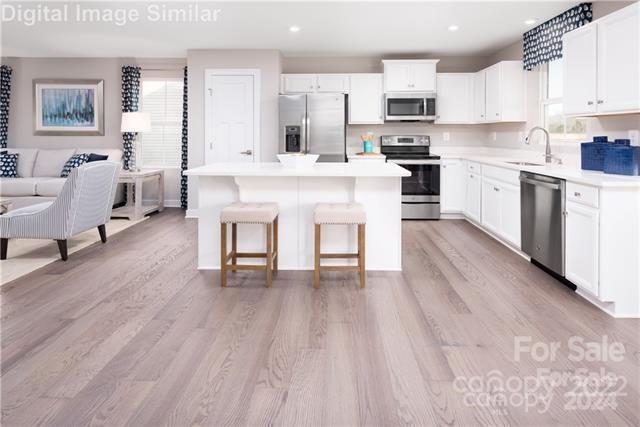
(540, 183)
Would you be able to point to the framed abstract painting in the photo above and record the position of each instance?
(68, 107)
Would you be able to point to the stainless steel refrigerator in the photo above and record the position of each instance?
(315, 124)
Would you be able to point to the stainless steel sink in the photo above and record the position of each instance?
(525, 163)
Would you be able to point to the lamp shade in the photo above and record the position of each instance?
(135, 122)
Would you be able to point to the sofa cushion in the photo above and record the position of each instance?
(18, 186)
(73, 162)
(50, 187)
(9, 165)
(26, 160)
(114, 154)
(51, 162)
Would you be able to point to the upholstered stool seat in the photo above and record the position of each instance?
(248, 213)
(339, 214)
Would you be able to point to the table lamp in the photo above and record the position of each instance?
(135, 122)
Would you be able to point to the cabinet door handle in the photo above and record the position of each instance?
(247, 152)
(577, 194)
(590, 103)
(496, 189)
(600, 101)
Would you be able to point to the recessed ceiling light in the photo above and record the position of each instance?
(529, 22)
(453, 28)
(294, 28)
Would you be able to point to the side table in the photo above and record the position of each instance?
(135, 209)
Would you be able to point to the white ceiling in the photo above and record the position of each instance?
(336, 28)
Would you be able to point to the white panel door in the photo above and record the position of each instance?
(230, 119)
(332, 83)
(455, 98)
(473, 196)
(366, 99)
(479, 97)
(453, 185)
(491, 205)
(493, 93)
(422, 77)
(510, 213)
(397, 78)
(581, 252)
(619, 60)
(579, 54)
(298, 83)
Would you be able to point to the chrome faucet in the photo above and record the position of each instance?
(548, 157)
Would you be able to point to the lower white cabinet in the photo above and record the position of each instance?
(452, 186)
(474, 196)
(501, 209)
(365, 99)
(581, 250)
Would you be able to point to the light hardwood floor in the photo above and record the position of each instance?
(130, 333)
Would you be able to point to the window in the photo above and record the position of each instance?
(161, 147)
(561, 129)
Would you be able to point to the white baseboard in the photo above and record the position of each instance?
(191, 213)
(167, 203)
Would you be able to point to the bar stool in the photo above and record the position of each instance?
(248, 213)
(341, 214)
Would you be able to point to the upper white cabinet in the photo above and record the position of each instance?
(504, 93)
(365, 99)
(311, 83)
(410, 75)
(453, 185)
(580, 62)
(455, 98)
(602, 65)
(479, 95)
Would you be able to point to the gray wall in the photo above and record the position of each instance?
(269, 63)
(107, 69)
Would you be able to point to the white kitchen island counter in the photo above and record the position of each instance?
(296, 191)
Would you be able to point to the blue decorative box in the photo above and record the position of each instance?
(592, 155)
(622, 159)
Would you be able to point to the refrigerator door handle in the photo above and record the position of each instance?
(303, 132)
(308, 134)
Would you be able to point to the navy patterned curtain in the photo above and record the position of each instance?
(5, 95)
(185, 140)
(130, 95)
(543, 43)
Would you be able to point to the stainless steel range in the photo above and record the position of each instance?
(421, 190)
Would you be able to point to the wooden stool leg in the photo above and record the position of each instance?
(223, 254)
(361, 247)
(269, 264)
(316, 272)
(275, 245)
(234, 244)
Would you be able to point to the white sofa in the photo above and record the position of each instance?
(39, 173)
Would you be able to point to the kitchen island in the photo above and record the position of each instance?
(297, 190)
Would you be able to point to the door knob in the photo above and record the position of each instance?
(247, 152)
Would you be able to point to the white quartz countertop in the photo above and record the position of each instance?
(359, 169)
(569, 173)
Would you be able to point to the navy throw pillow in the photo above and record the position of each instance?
(93, 157)
(73, 162)
(9, 165)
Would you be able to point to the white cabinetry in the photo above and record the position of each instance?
(479, 95)
(455, 98)
(474, 196)
(581, 250)
(501, 203)
(602, 65)
(499, 93)
(311, 83)
(365, 99)
(453, 186)
(410, 75)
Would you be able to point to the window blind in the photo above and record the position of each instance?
(162, 98)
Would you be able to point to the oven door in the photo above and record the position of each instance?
(410, 107)
(421, 190)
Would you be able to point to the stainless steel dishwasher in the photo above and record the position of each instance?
(542, 213)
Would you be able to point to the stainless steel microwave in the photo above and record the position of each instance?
(410, 107)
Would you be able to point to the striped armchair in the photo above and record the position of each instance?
(84, 202)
